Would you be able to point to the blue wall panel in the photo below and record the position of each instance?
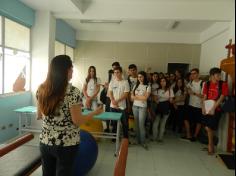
(7, 115)
(17, 11)
(65, 33)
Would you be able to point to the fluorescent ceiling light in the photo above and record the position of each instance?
(101, 21)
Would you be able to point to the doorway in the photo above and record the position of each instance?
(183, 67)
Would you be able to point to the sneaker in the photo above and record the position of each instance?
(185, 138)
(193, 139)
(145, 146)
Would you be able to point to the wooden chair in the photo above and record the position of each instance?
(120, 165)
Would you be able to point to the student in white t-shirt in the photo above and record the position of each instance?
(133, 76)
(132, 80)
(164, 98)
(194, 118)
(152, 105)
(117, 64)
(139, 96)
(180, 93)
(91, 89)
(118, 92)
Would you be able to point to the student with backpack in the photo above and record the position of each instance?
(193, 120)
(163, 99)
(132, 80)
(118, 92)
(153, 105)
(180, 93)
(215, 90)
(104, 98)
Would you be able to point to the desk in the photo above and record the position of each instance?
(22, 114)
(104, 116)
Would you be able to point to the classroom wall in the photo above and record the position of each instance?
(154, 55)
(43, 37)
(213, 45)
(8, 118)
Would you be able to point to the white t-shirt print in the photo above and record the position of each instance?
(195, 87)
(118, 88)
(91, 86)
(141, 91)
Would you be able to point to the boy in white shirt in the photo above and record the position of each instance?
(194, 117)
(118, 92)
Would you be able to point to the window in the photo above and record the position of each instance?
(1, 83)
(1, 53)
(15, 59)
(16, 71)
(16, 35)
(0, 30)
(70, 52)
(61, 48)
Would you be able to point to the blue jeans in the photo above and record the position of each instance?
(140, 114)
(124, 122)
(159, 126)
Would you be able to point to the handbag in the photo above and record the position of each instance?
(228, 104)
(163, 107)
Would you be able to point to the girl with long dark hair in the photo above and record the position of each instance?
(164, 98)
(59, 106)
(91, 89)
(180, 93)
(139, 95)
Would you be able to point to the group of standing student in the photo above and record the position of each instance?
(196, 117)
(157, 96)
(59, 105)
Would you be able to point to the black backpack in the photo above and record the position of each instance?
(103, 95)
(228, 104)
(219, 88)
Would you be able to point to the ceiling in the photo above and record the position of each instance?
(194, 16)
(144, 25)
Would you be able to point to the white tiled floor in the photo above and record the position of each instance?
(173, 158)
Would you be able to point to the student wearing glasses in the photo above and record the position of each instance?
(194, 117)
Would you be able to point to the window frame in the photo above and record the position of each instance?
(2, 94)
(64, 47)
